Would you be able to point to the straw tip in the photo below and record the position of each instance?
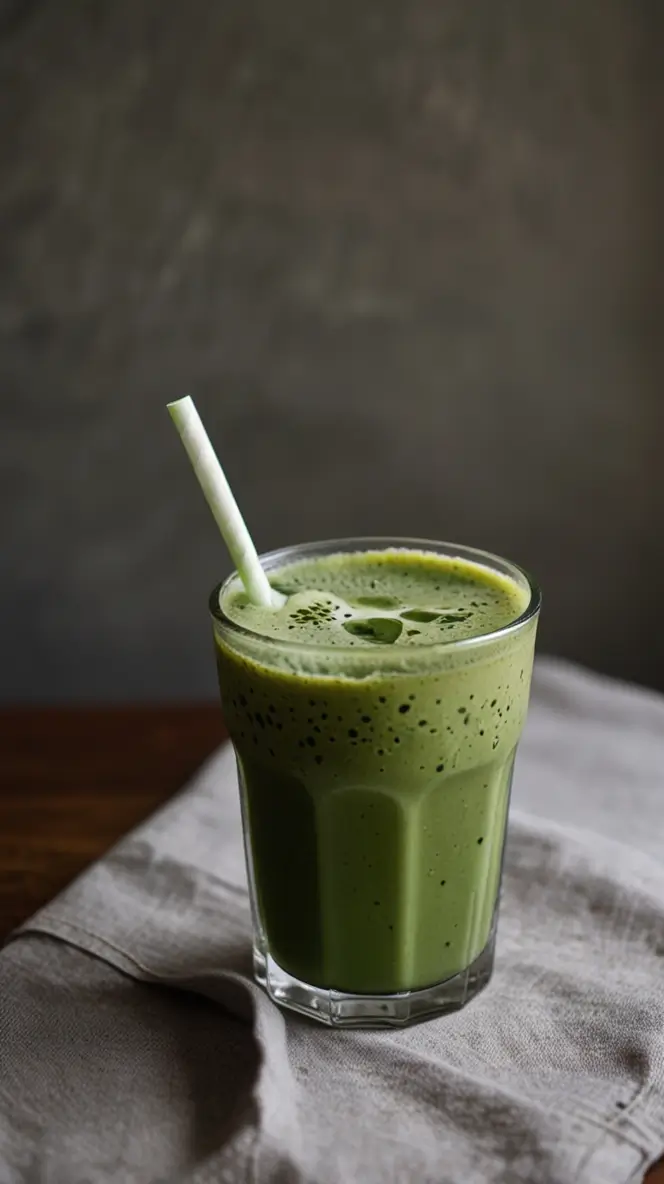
(179, 405)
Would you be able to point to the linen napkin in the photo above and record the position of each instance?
(134, 1047)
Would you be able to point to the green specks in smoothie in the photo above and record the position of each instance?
(480, 840)
(404, 707)
(316, 613)
(379, 630)
(422, 723)
(439, 768)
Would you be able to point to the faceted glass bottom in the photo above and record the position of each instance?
(340, 1009)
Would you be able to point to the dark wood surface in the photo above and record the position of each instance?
(73, 780)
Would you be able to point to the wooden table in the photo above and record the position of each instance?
(72, 780)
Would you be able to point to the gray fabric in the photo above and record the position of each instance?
(554, 1075)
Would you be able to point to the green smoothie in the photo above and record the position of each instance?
(375, 718)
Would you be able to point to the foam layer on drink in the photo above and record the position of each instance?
(393, 597)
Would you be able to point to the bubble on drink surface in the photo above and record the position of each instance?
(424, 616)
(384, 602)
(379, 630)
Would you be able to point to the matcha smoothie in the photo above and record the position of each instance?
(375, 717)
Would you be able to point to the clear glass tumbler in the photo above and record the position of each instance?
(375, 804)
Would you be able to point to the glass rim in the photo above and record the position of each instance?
(272, 560)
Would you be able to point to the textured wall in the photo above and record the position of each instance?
(406, 255)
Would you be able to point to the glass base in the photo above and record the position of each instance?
(339, 1009)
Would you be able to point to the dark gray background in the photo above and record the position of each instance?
(406, 255)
